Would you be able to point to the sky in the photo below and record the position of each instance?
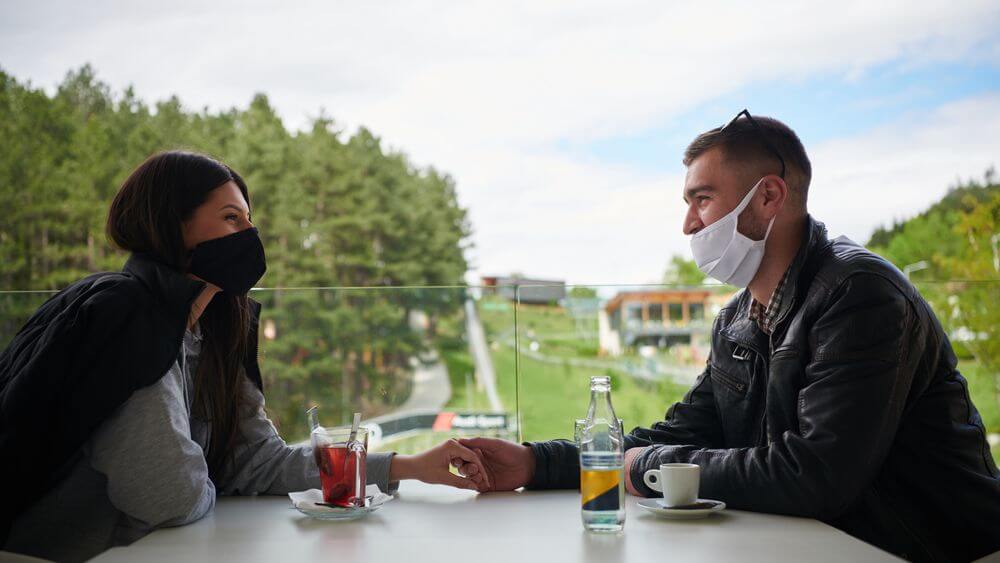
(563, 123)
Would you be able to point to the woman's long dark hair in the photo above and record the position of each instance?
(146, 217)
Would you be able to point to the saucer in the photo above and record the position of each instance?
(311, 504)
(701, 508)
(338, 512)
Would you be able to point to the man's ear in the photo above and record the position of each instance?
(775, 194)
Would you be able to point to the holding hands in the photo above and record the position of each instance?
(507, 465)
(433, 466)
(483, 464)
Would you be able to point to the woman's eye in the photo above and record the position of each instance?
(231, 217)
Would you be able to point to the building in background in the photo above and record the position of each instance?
(526, 290)
(658, 318)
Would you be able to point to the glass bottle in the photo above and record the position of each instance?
(602, 485)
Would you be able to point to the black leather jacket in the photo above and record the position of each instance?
(77, 359)
(852, 412)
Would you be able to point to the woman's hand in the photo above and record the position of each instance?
(433, 466)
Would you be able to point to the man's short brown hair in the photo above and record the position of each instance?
(742, 144)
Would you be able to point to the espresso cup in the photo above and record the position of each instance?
(677, 481)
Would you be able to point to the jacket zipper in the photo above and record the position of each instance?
(767, 367)
(764, 437)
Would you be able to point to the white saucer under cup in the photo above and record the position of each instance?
(703, 509)
(677, 481)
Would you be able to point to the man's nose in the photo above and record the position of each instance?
(692, 223)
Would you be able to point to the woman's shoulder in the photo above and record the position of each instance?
(95, 299)
(115, 291)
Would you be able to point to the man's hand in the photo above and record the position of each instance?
(630, 456)
(508, 465)
(433, 466)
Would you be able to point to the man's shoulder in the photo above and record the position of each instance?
(844, 259)
(849, 277)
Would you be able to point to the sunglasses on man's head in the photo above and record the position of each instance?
(763, 137)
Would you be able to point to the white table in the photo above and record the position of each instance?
(440, 524)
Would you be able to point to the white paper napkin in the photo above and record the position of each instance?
(308, 499)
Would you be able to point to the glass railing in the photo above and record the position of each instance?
(425, 364)
(652, 340)
(416, 362)
(420, 364)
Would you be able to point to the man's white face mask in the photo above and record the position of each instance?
(724, 253)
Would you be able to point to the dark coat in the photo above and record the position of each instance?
(852, 412)
(80, 357)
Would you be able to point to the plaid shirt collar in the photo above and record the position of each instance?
(766, 316)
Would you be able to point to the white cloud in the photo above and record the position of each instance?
(618, 227)
(483, 90)
(898, 170)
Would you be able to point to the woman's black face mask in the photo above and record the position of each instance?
(234, 262)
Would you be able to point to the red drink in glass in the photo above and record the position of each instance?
(340, 457)
(342, 473)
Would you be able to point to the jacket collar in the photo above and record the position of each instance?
(173, 289)
(744, 331)
(813, 240)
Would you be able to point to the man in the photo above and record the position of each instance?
(831, 390)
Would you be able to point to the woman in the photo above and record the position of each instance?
(130, 400)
